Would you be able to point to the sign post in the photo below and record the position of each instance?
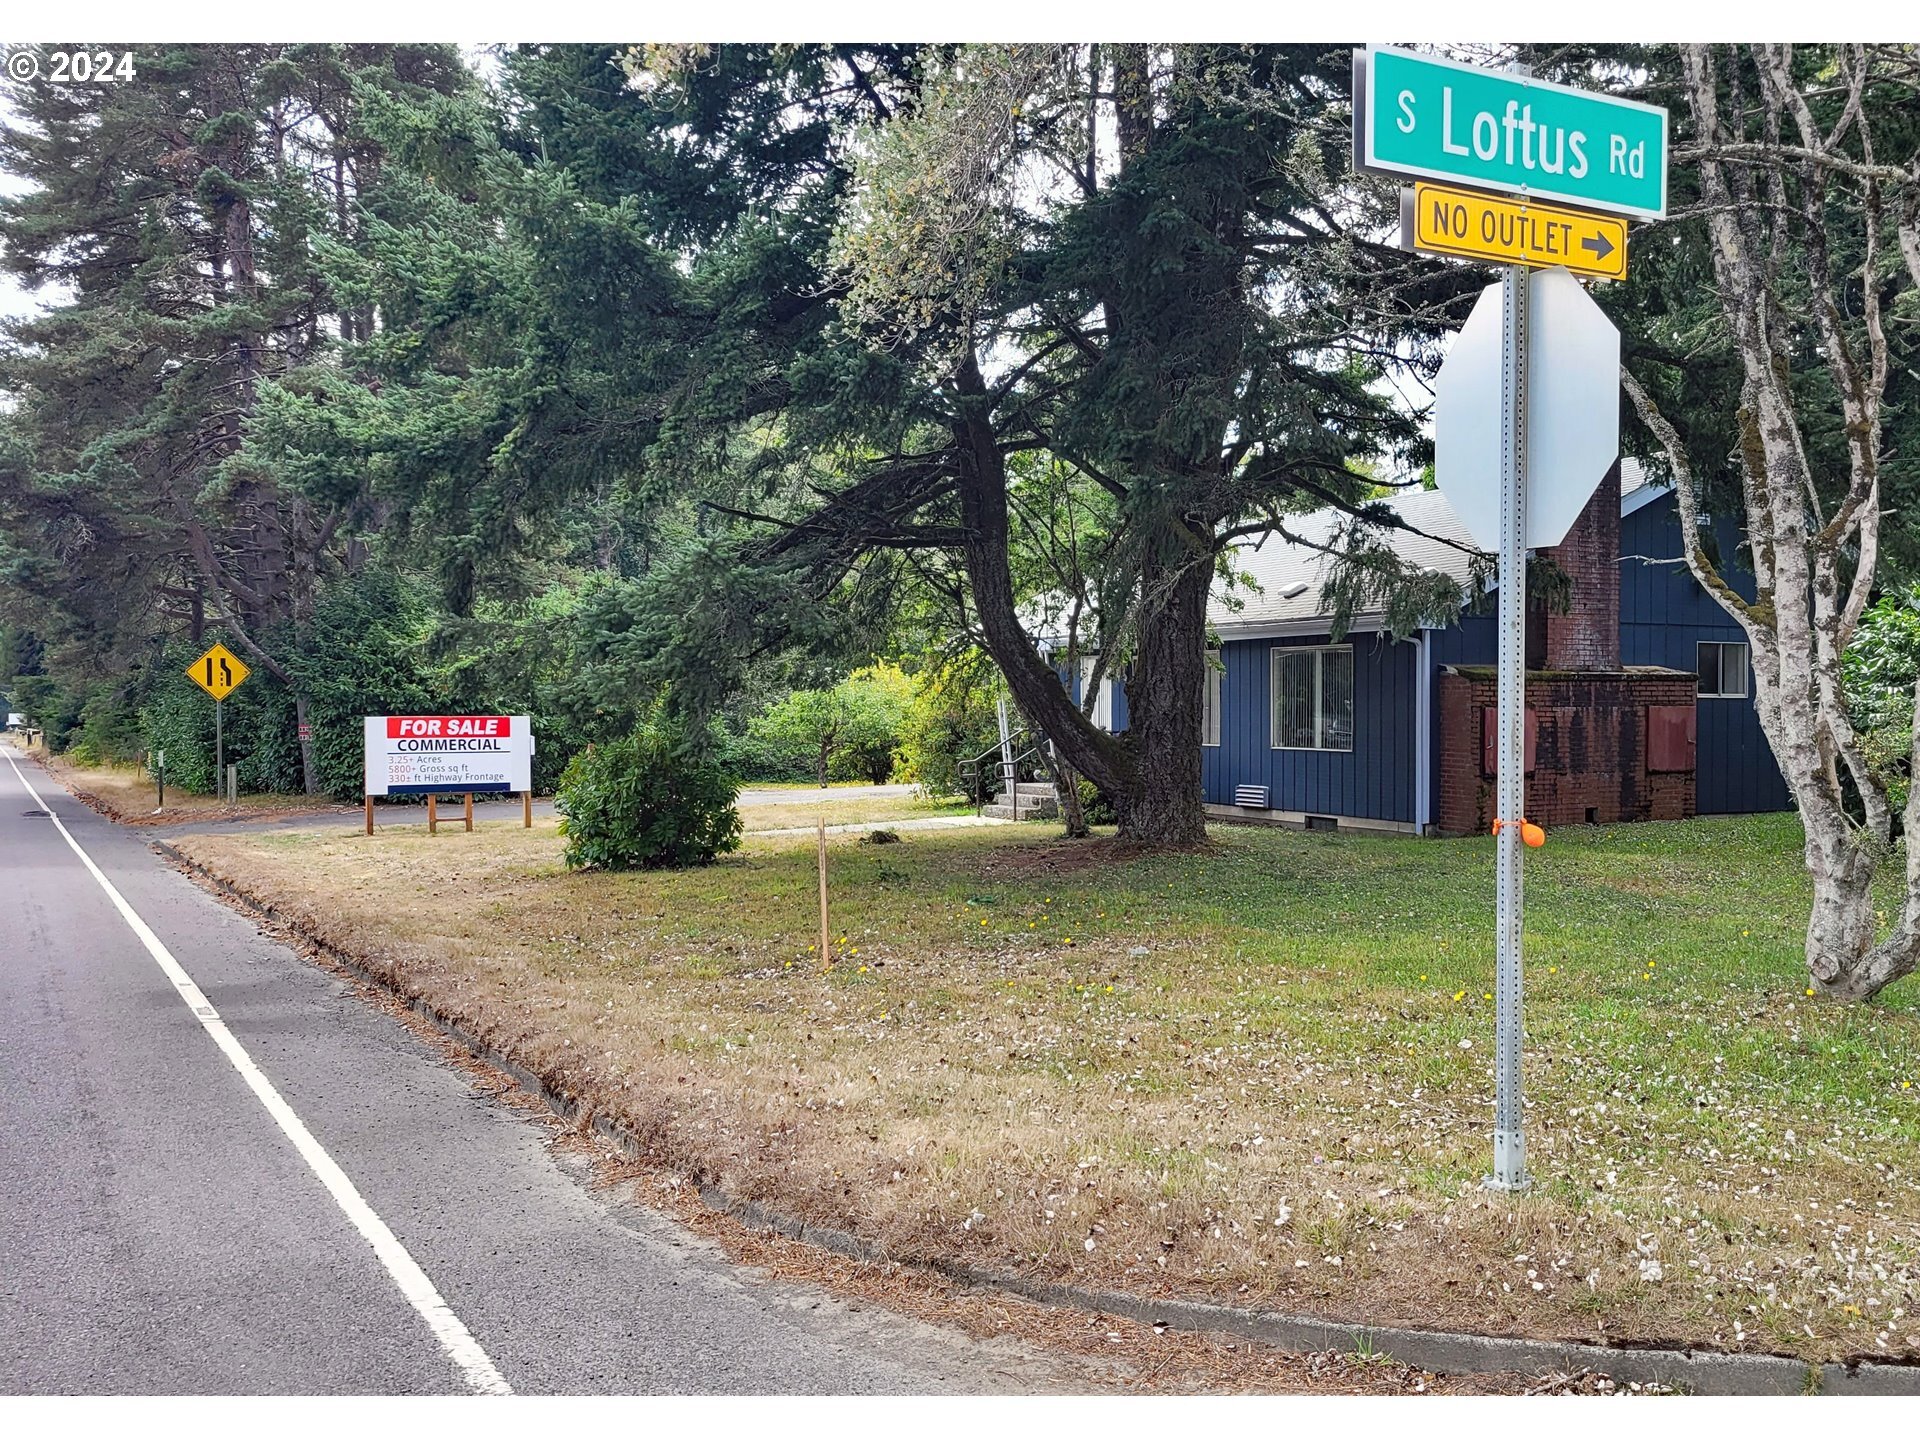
(1509, 1121)
(219, 672)
(1526, 409)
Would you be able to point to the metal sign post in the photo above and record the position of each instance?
(219, 746)
(1526, 408)
(1509, 1123)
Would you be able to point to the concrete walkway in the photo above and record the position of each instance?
(931, 822)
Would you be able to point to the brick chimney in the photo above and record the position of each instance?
(1587, 637)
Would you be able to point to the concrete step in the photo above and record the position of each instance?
(1039, 789)
(1029, 810)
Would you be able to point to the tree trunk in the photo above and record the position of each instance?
(1163, 707)
(1153, 775)
(309, 779)
(1066, 788)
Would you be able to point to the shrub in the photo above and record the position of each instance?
(850, 732)
(951, 719)
(1095, 806)
(654, 800)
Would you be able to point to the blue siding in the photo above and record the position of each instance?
(1664, 614)
(1373, 781)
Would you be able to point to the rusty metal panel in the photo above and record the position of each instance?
(1671, 731)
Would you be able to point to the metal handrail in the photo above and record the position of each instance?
(1033, 756)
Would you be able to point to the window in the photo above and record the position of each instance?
(1210, 701)
(1313, 698)
(1723, 670)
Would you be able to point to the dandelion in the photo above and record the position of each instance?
(1109, 989)
(1459, 995)
(1487, 995)
(1809, 989)
(1423, 977)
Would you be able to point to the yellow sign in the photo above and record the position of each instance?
(218, 672)
(1514, 231)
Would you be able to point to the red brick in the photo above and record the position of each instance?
(1591, 749)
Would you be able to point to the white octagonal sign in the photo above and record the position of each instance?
(1573, 410)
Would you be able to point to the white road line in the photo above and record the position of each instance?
(454, 1337)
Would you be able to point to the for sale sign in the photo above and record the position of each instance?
(448, 754)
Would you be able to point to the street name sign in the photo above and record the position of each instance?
(448, 754)
(1433, 119)
(219, 672)
(1572, 421)
(1512, 231)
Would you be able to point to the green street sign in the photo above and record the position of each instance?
(1437, 119)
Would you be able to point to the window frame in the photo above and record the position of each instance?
(1100, 713)
(1210, 695)
(1745, 692)
(1319, 654)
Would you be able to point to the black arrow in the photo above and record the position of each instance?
(1600, 245)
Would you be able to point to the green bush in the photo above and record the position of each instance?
(1095, 806)
(850, 732)
(1881, 666)
(952, 719)
(654, 800)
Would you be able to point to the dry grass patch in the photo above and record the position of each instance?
(127, 793)
(1256, 1074)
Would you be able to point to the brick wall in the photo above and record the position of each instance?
(1587, 637)
(1592, 759)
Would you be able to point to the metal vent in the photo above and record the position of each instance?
(1251, 797)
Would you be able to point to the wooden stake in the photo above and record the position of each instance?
(826, 950)
(369, 814)
(469, 812)
(526, 809)
(433, 814)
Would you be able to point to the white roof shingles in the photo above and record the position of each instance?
(1278, 566)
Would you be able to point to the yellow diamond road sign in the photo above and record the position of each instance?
(218, 672)
(1512, 230)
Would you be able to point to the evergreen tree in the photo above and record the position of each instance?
(177, 221)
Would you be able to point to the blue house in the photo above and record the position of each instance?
(1640, 696)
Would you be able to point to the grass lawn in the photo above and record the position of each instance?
(1259, 1074)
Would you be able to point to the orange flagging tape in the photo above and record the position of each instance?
(1531, 834)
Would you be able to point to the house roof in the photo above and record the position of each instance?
(1287, 577)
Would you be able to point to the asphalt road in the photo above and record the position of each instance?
(164, 1227)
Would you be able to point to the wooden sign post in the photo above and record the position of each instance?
(826, 949)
